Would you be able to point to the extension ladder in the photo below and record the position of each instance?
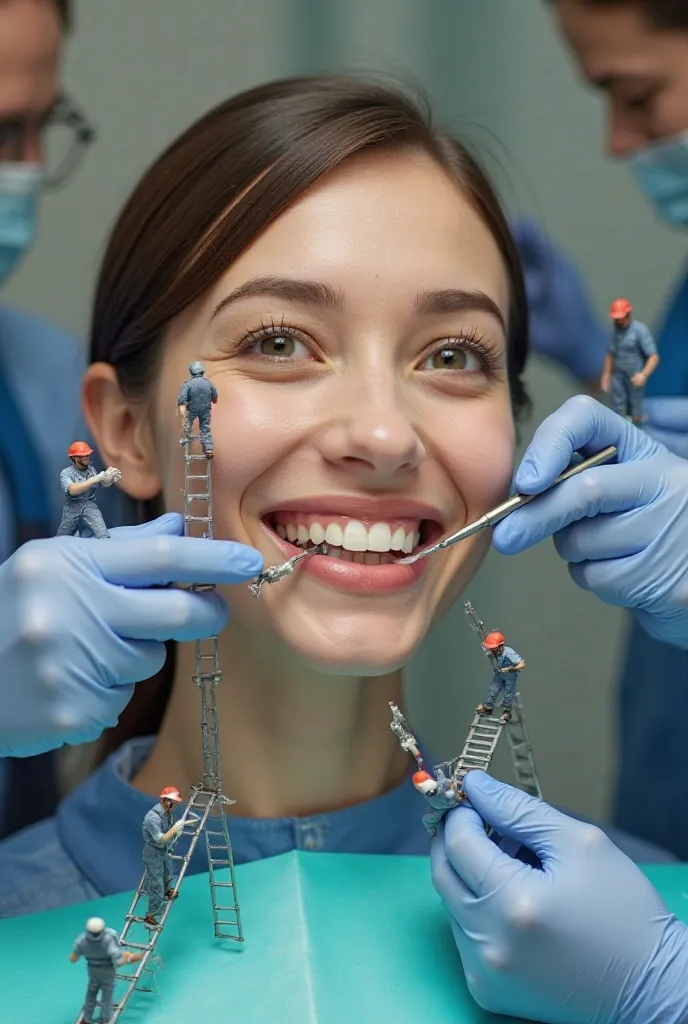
(207, 798)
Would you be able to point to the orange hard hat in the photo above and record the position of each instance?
(79, 449)
(493, 640)
(620, 309)
(171, 793)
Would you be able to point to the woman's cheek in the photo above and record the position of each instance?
(482, 464)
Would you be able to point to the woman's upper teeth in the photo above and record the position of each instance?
(350, 534)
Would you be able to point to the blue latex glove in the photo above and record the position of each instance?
(622, 527)
(82, 622)
(667, 422)
(563, 323)
(586, 939)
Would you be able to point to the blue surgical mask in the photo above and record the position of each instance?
(20, 185)
(661, 171)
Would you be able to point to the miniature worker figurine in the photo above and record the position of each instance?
(507, 665)
(160, 830)
(440, 793)
(79, 482)
(101, 949)
(631, 358)
(196, 395)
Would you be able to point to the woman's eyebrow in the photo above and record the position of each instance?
(458, 300)
(311, 293)
(316, 293)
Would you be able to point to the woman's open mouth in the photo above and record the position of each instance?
(361, 553)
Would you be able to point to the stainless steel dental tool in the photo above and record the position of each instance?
(275, 573)
(507, 507)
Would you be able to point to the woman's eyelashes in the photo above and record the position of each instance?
(281, 343)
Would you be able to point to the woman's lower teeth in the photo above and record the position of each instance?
(363, 557)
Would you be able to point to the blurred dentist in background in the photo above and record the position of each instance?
(636, 53)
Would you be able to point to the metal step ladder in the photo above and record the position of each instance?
(205, 811)
(522, 752)
(481, 743)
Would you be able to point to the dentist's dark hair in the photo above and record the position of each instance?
(661, 14)
(223, 181)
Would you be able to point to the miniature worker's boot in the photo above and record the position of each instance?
(506, 716)
(171, 894)
(151, 921)
(484, 709)
(208, 453)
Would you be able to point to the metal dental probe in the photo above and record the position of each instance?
(507, 507)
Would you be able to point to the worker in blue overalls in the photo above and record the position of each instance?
(40, 365)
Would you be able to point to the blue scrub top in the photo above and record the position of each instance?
(653, 772)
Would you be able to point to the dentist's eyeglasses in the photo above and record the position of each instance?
(58, 139)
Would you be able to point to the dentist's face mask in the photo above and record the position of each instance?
(661, 171)
(20, 185)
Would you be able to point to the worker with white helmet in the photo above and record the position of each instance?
(159, 831)
(196, 396)
(79, 481)
(507, 665)
(101, 949)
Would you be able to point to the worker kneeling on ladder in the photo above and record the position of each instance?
(507, 664)
(159, 832)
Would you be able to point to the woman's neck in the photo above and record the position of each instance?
(294, 742)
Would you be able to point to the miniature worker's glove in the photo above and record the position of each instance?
(563, 323)
(111, 476)
(585, 940)
(667, 422)
(83, 620)
(622, 527)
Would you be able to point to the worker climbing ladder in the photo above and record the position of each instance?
(485, 733)
(205, 811)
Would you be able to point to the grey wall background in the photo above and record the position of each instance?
(493, 68)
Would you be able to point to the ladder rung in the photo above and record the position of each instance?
(226, 924)
(232, 910)
(136, 945)
(196, 497)
(197, 519)
(219, 863)
(223, 885)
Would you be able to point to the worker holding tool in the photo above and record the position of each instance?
(160, 831)
(507, 664)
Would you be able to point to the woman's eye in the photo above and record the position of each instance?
(452, 358)
(280, 346)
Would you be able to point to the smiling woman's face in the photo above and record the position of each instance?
(358, 349)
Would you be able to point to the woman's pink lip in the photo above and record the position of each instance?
(361, 579)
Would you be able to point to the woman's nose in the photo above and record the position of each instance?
(374, 437)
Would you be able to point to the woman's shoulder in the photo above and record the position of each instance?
(37, 873)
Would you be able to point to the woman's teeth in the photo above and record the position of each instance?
(353, 541)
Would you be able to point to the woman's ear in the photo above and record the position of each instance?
(122, 431)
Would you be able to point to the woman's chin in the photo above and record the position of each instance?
(368, 645)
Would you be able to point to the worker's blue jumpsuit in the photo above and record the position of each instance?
(506, 681)
(198, 395)
(441, 802)
(630, 348)
(156, 856)
(80, 509)
(102, 954)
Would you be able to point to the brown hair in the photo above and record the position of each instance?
(219, 185)
(661, 14)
